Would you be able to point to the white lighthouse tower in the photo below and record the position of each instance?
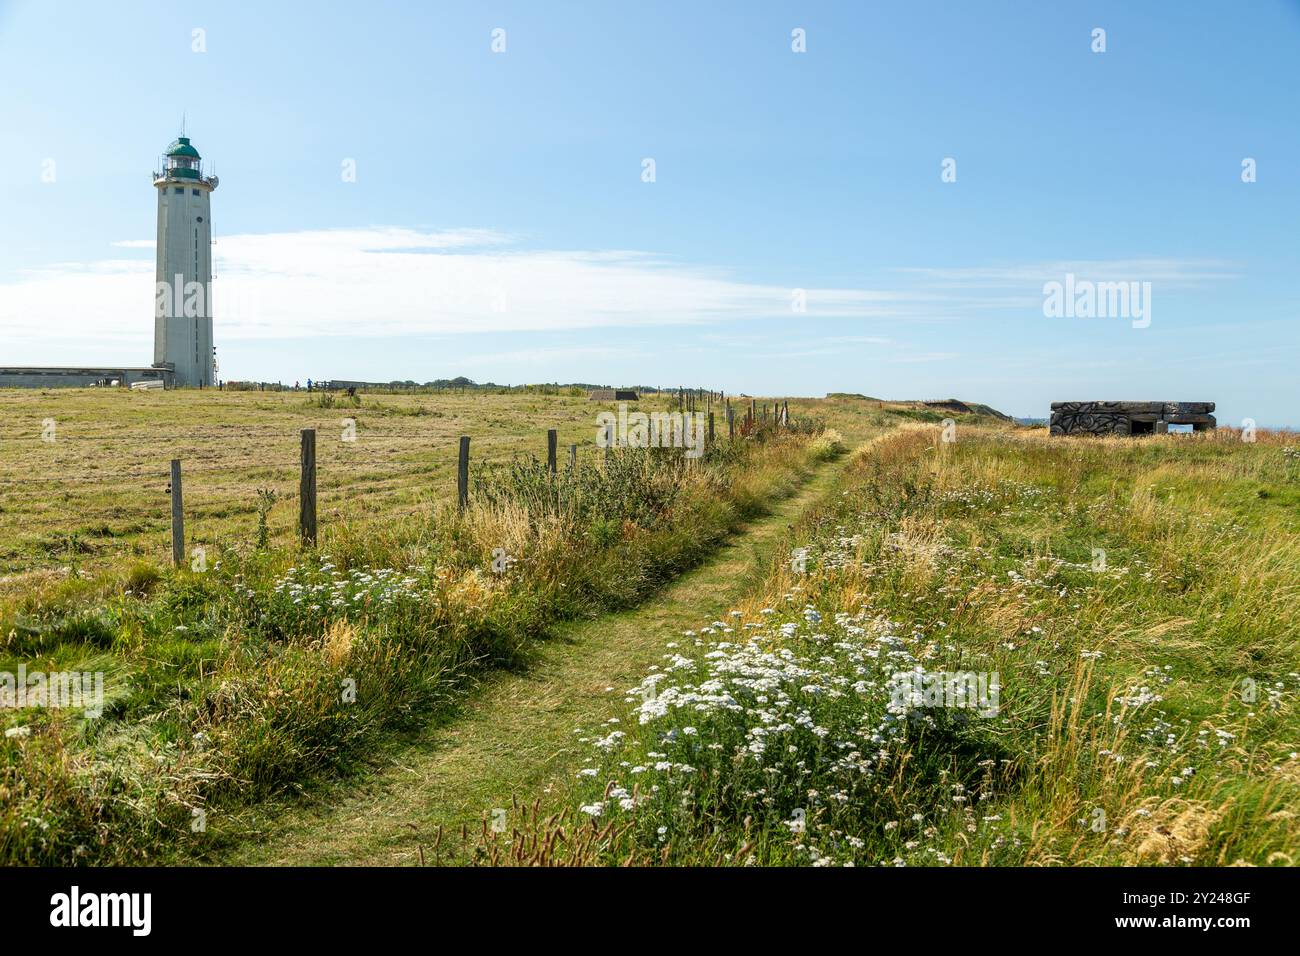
(183, 305)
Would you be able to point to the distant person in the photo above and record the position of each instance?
(309, 385)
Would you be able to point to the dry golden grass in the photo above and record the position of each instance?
(97, 496)
(1175, 830)
(99, 492)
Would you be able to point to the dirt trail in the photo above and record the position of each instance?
(516, 736)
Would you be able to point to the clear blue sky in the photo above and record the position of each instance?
(479, 171)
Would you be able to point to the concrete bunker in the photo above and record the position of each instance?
(1129, 418)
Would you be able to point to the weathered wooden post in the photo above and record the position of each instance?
(710, 429)
(731, 423)
(753, 413)
(573, 457)
(462, 474)
(785, 412)
(178, 516)
(551, 439)
(307, 488)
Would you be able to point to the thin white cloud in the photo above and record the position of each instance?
(541, 355)
(1169, 272)
(385, 282)
(926, 357)
(388, 282)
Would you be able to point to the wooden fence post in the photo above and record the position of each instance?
(731, 423)
(710, 429)
(307, 488)
(178, 516)
(551, 439)
(462, 474)
(573, 457)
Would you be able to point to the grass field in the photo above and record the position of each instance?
(1003, 649)
(1135, 606)
(517, 737)
(274, 665)
(98, 493)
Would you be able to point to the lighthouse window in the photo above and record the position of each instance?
(178, 190)
(194, 192)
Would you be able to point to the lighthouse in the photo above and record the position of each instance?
(183, 301)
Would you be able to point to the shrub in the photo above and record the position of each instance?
(141, 577)
(829, 444)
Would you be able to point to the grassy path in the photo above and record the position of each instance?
(517, 735)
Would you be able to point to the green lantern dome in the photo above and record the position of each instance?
(182, 147)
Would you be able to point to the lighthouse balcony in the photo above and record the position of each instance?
(161, 179)
(189, 175)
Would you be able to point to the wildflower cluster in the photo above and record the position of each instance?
(307, 597)
(794, 727)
